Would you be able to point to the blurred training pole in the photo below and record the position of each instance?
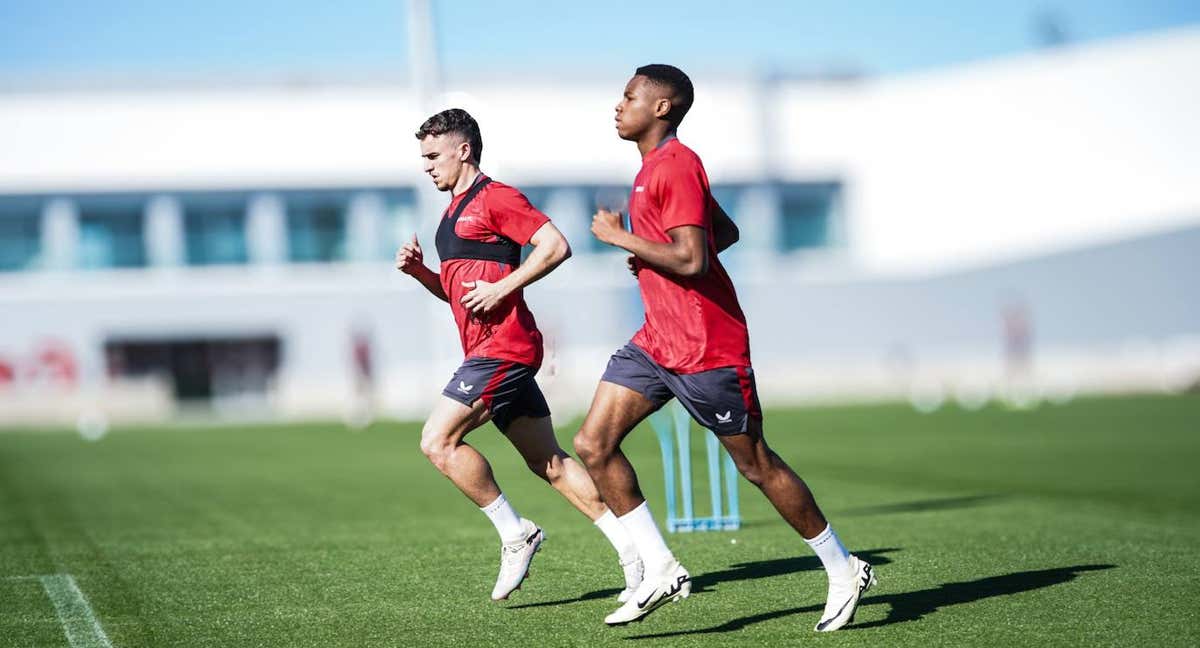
(672, 424)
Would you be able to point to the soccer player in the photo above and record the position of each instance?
(694, 346)
(479, 241)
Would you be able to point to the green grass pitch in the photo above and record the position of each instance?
(1073, 524)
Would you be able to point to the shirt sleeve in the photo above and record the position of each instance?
(511, 215)
(679, 187)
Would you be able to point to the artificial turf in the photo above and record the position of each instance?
(1075, 524)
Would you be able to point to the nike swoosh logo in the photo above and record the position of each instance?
(836, 614)
(862, 587)
(667, 594)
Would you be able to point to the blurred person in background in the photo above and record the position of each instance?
(1020, 389)
(362, 411)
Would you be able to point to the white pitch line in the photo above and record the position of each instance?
(80, 624)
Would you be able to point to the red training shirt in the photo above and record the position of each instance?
(508, 332)
(692, 323)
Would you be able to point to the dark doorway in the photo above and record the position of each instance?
(199, 370)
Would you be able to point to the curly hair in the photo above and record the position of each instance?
(458, 121)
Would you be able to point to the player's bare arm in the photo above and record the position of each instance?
(685, 256)
(410, 260)
(725, 234)
(550, 249)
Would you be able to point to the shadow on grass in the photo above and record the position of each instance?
(911, 606)
(919, 506)
(590, 596)
(737, 572)
(780, 567)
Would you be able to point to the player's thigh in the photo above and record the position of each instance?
(451, 420)
(748, 449)
(631, 388)
(615, 411)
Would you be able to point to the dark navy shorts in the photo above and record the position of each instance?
(722, 400)
(507, 388)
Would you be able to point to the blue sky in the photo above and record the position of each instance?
(72, 38)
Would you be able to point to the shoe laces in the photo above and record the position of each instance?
(510, 554)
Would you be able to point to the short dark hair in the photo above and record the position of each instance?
(458, 121)
(674, 80)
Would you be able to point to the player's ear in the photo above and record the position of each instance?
(464, 151)
(662, 108)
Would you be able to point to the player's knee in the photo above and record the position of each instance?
(435, 447)
(753, 470)
(754, 475)
(588, 447)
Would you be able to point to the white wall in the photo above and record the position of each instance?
(1017, 157)
(942, 170)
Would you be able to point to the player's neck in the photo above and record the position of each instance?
(467, 178)
(654, 139)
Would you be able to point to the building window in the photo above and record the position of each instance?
(111, 232)
(215, 229)
(316, 224)
(808, 212)
(20, 233)
(727, 197)
(573, 206)
(401, 220)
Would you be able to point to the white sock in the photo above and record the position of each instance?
(647, 538)
(833, 555)
(617, 535)
(504, 516)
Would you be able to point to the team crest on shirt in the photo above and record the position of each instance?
(639, 189)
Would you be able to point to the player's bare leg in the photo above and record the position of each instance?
(615, 411)
(782, 486)
(534, 439)
(442, 442)
(848, 575)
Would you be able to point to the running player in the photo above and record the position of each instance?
(479, 241)
(695, 347)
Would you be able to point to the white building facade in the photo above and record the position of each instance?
(227, 250)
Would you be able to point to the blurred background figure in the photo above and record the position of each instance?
(362, 409)
(1018, 355)
(198, 202)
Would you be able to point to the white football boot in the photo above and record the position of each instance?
(844, 596)
(672, 584)
(515, 558)
(634, 571)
